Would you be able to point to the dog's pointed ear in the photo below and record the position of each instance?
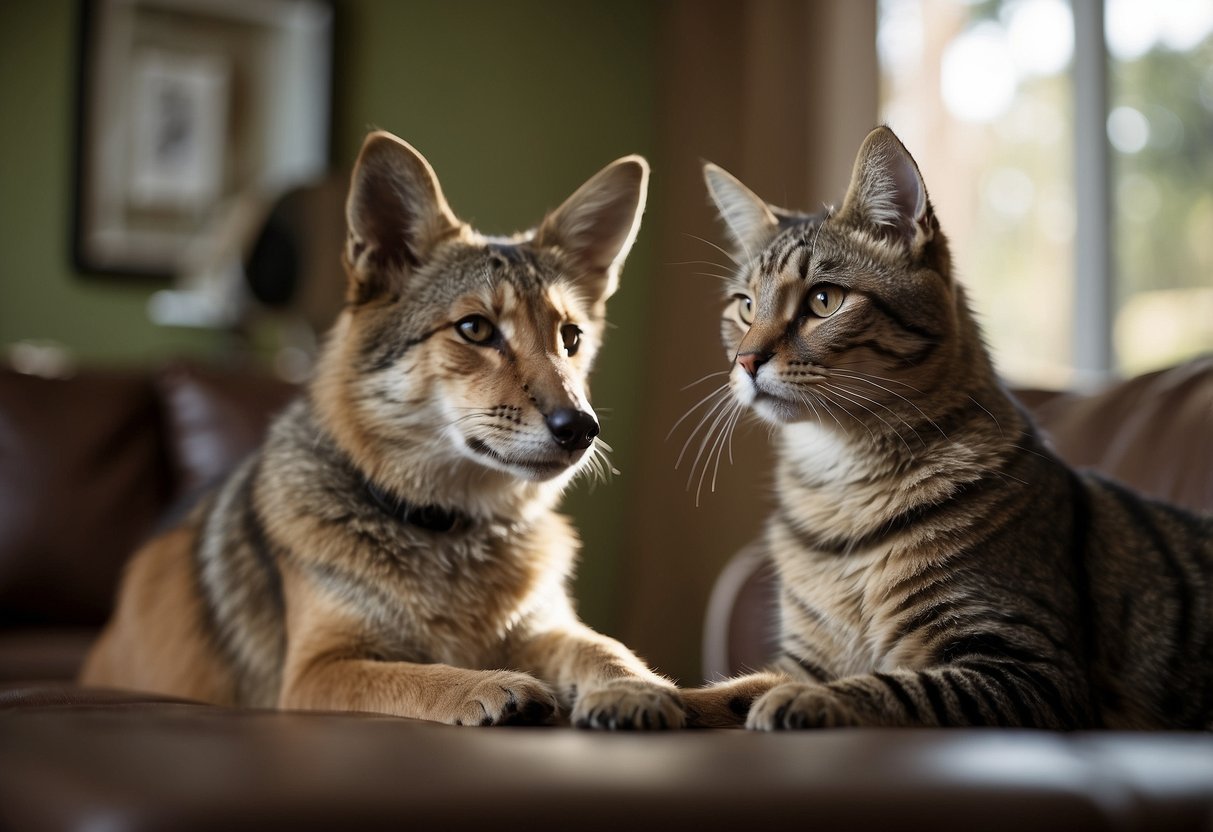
(597, 225)
(395, 215)
(887, 191)
(750, 222)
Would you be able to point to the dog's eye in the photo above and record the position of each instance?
(571, 335)
(476, 329)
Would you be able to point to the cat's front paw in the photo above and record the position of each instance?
(629, 704)
(797, 705)
(503, 697)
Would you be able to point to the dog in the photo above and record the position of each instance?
(394, 547)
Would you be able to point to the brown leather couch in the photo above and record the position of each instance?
(90, 465)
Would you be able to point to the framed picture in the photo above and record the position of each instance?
(185, 108)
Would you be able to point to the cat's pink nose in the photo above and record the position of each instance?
(751, 361)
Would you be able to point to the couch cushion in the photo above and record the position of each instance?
(83, 476)
(89, 466)
(216, 418)
(1153, 432)
(43, 654)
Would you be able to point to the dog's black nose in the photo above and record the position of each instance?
(573, 430)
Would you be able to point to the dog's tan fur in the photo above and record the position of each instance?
(302, 582)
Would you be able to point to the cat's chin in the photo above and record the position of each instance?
(777, 411)
(768, 406)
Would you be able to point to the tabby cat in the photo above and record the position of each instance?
(938, 565)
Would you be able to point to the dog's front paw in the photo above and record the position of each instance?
(503, 697)
(629, 704)
(726, 704)
(797, 705)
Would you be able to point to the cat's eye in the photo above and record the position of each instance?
(825, 298)
(571, 335)
(476, 329)
(745, 309)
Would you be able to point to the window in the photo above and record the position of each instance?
(984, 94)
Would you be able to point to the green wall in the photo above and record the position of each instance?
(515, 104)
(41, 295)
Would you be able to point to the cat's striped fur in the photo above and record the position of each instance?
(394, 546)
(937, 564)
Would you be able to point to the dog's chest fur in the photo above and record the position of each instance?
(422, 595)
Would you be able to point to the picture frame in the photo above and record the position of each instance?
(185, 108)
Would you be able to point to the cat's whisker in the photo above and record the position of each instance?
(725, 272)
(891, 411)
(851, 366)
(721, 404)
(741, 413)
(707, 461)
(822, 391)
(722, 422)
(817, 232)
(726, 436)
(1028, 449)
(697, 263)
(988, 413)
(861, 377)
(710, 439)
(851, 397)
(722, 389)
(821, 400)
(719, 446)
(804, 397)
(1007, 476)
(702, 379)
(732, 259)
(707, 436)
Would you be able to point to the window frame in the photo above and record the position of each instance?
(1093, 355)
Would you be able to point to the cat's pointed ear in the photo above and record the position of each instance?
(395, 214)
(887, 190)
(597, 225)
(751, 223)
